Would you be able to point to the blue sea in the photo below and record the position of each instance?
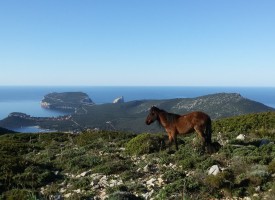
(27, 99)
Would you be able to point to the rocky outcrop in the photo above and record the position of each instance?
(119, 100)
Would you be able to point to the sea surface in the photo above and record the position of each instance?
(27, 99)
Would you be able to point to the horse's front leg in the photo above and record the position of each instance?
(170, 141)
(172, 138)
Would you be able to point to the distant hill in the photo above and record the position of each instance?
(4, 131)
(130, 116)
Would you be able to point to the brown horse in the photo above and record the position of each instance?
(175, 124)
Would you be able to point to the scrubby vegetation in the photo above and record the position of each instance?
(117, 165)
(261, 124)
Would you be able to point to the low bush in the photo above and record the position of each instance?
(119, 195)
(145, 143)
(112, 167)
(19, 194)
(100, 138)
(271, 167)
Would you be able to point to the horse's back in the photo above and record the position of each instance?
(200, 115)
(197, 118)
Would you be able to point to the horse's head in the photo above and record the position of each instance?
(152, 116)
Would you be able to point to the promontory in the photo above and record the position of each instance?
(66, 100)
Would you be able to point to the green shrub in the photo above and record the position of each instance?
(20, 194)
(51, 139)
(188, 163)
(214, 181)
(271, 166)
(145, 143)
(99, 138)
(262, 124)
(170, 189)
(112, 167)
(173, 175)
(258, 174)
(183, 188)
(121, 195)
(122, 188)
(81, 162)
(82, 183)
(34, 177)
(220, 180)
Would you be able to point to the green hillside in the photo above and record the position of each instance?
(117, 165)
(5, 131)
(258, 123)
(130, 116)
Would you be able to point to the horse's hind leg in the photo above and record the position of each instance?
(200, 133)
(174, 138)
(175, 141)
(202, 136)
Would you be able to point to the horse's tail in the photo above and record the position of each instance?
(208, 135)
(208, 131)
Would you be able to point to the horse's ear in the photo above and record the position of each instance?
(151, 108)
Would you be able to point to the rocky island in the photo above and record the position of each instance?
(66, 100)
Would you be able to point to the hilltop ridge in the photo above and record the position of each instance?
(124, 116)
(130, 116)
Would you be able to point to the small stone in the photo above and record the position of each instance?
(214, 170)
(146, 168)
(240, 137)
(258, 188)
(62, 190)
(148, 194)
(78, 191)
(255, 195)
(151, 182)
(85, 173)
(68, 195)
(160, 181)
(77, 176)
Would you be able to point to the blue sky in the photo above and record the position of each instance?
(137, 42)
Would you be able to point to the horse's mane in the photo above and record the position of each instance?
(170, 117)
